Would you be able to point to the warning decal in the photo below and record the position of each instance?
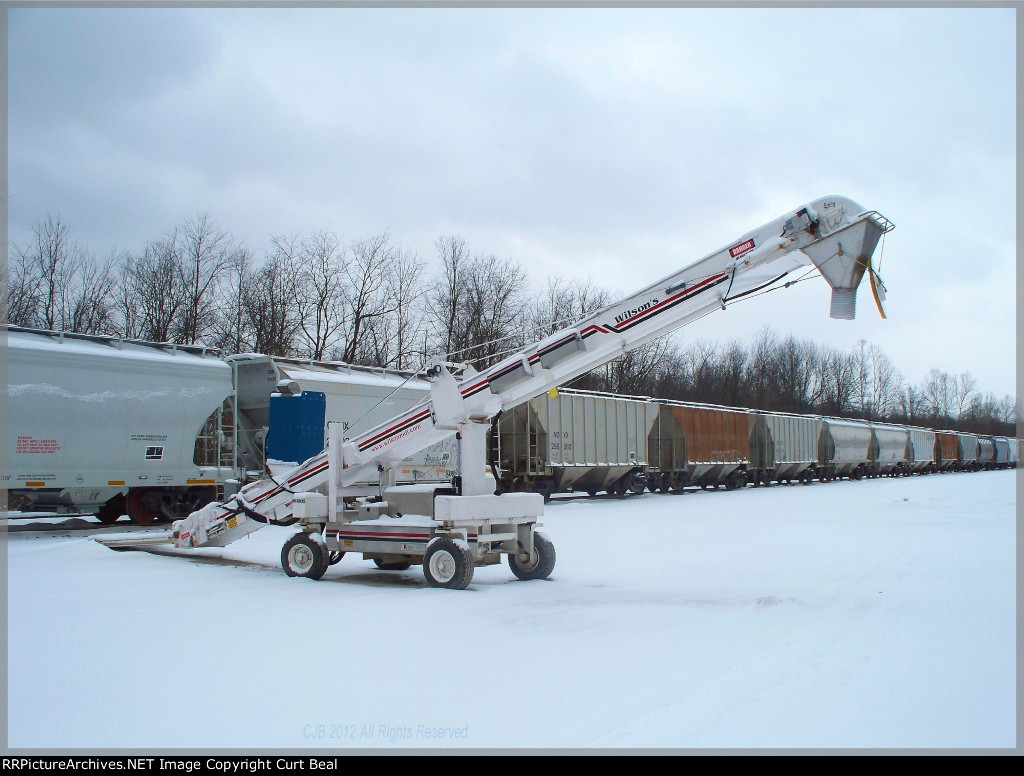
(27, 444)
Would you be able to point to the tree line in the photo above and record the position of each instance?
(374, 302)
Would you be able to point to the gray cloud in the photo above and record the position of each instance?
(613, 143)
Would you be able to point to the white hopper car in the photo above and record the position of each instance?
(110, 425)
(103, 425)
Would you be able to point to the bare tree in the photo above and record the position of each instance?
(205, 255)
(445, 299)
(640, 371)
(476, 306)
(962, 390)
(366, 298)
(912, 405)
(229, 331)
(1008, 411)
(394, 338)
(836, 381)
(23, 292)
(562, 303)
(862, 395)
(270, 310)
(798, 363)
(701, 363)
(56, 284)
(886, 383)
(151, 293)
(92, 303)
(938, 390)
(762, 368)
(322, 260)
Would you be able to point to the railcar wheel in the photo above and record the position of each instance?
(538, 564)
(143, 506)
(304, 556)
(109, 513)
(591, 492)
(400, 565)
(448, 564)
(545, 487)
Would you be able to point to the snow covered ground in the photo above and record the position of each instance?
(872, 614)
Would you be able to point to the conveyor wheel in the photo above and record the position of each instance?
(539, 564)
(448, 564)
(304, 556)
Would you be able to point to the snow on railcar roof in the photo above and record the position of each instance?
(104, 345)
(350, 376)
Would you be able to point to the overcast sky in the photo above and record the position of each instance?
(615, 145)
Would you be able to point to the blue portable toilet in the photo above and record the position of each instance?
(297, 424)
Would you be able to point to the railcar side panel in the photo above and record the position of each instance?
(91, 417)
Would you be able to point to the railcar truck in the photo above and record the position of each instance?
(450, 529)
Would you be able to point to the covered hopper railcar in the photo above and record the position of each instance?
(1001, 456)
(845, 449)
(700, 444)
(968, 450)
(947, 450)
(108, 425)
(574, 440)
(889, 449)
(922, 445)
(783, 447)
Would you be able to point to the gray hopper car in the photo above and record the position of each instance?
(922, 451)
(1006, 452)
(969, 448)
(845, 449)
(889, 449)
(574, 440)
(783, 447)
(986, 452)
(110, 425)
